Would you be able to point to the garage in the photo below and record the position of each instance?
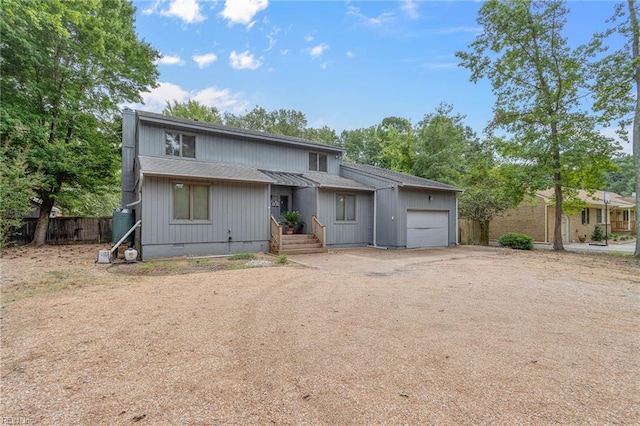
(427, 228)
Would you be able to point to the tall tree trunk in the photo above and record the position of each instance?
(40, 235)
(635, 33)
(484, 232)
(557, 189)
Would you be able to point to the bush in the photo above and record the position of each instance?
(597, 234)
(282, 259)
(516, 241)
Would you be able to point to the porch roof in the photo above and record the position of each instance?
(200, 170)
(289, 179)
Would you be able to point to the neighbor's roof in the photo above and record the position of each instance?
(401, 179)
(596, 198)
(160, 166)
(234, 131)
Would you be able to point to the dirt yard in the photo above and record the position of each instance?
(465, 335)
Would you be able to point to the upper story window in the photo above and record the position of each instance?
(317, 162)
(179, 145)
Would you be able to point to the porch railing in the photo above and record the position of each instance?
(319, 231)
(623, 225)
(275, 242)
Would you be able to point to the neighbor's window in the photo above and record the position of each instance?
(179, 145)
(190, 202)
(601, 216)
(317, 162)
(625, 215)
(345, 207)
(585, 216)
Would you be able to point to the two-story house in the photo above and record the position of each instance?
(200, 188)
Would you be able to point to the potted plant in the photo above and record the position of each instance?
(291, 219)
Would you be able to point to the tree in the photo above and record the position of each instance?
(281, 122)
(617, 86)
(66, 66)
(442, 141)
(622, 180)
(486, 195)
(539, 84)
(16, 183)
(193, 110)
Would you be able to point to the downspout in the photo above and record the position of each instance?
(139, 200)
(457, 223)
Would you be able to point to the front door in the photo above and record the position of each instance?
(281, 199)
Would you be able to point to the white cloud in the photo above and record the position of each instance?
(272, 37)
(244, 60)
(318, 50)
(223, 99)
(324, 65)
(170, 60)
(204, 60)
(410, 9)
(350, 54)
(187, 10)
(381, 20)
(308, 38)
(242, 11)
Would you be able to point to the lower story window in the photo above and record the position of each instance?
(345, 207)
(190, 202)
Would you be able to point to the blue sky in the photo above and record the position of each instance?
(344, 64)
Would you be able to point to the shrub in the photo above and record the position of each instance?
(282, 259)
(597, 234)
(516, 241)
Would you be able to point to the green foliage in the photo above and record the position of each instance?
(621, 180)
(16, 190)
(66, 67)
(242, 256)
(193, 110)
(538, 81)
(291, 218)
(282, 259)
(516, 241)
(597, 234)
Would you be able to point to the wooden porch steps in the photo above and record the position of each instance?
(301, 244)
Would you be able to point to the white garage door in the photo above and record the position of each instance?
(427, 228)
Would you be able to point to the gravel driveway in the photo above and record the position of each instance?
(466, 335)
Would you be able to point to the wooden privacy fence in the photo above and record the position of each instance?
(469, 231)
(64, 230)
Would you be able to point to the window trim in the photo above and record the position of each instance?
(181, 134)
(346, 195)
(190, 221)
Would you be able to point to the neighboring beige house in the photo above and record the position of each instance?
(535, 217)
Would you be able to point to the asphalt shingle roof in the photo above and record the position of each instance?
(197, 169)
(401, 179)
(325, 180)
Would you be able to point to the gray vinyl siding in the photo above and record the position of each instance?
(242, 208)
(304, 200)
(237, 151)
(357, 233)
(387, 217)
(419, 200)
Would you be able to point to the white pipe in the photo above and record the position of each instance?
(139, 200)
(375, 218)
(114, 248)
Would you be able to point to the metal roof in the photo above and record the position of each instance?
(289, 179)
(234, 131)
(325, 180)
(401, 179)
(197, 169)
